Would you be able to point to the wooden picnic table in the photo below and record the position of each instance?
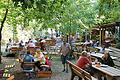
(80, 43)
(95, 55)
(106, 49)
(99, 55)
(79, 46)
(111, 73)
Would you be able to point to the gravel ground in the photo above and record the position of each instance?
(56, 69)
(19, 75)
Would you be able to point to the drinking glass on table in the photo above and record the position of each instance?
(97, 64)
(96, 60)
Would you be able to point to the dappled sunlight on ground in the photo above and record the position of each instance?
(57, 68)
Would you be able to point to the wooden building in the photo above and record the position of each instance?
(110, 28)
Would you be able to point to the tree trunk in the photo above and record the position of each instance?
(2, 25)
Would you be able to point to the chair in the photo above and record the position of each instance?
(28, 67)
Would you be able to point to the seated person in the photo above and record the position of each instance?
(40, 59)
(84, 62)
(42, 44)
(47, 60)
(27, 58)
(39, 55)
(47, 63)
(106, 59)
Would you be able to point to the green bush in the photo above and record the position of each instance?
(118, 45)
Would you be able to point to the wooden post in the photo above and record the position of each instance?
(102, 36)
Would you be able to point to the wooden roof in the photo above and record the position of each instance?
(110, 25)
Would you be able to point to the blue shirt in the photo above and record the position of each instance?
(28, 58)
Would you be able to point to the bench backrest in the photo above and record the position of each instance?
(79, 72)
(75, 69)
(30, 65)
(87, 75)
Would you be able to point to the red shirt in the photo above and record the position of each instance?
(82, 61)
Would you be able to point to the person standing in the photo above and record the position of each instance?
(9, 45)
(64, 50)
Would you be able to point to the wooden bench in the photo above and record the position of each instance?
(28, 64)
(82, 74)
(44, 74)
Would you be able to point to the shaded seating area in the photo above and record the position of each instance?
(76, 71)
(59, 40)
(35, 68)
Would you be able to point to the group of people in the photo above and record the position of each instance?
(85, 62)
(38, 57)
(22, 44)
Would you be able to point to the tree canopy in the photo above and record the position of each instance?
(70, 15)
